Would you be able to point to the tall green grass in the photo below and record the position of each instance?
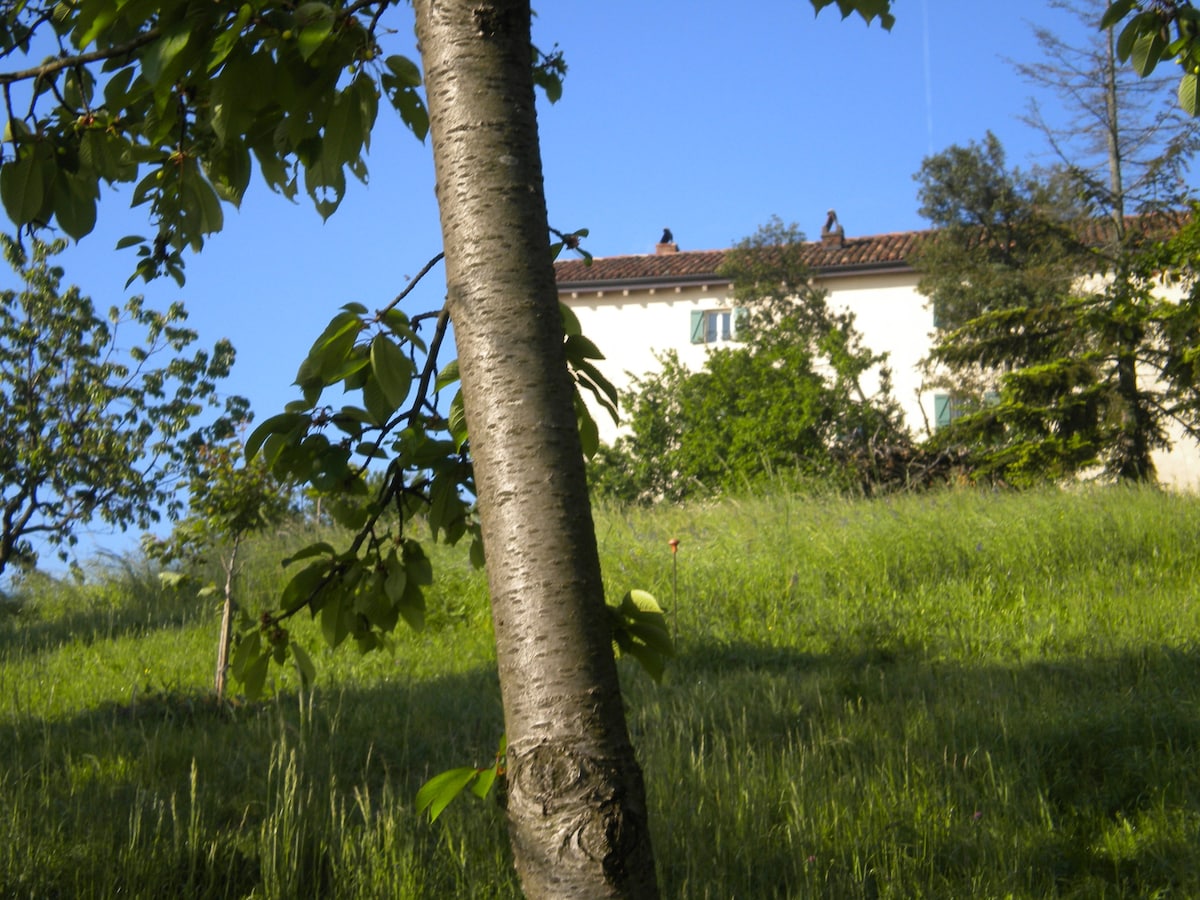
(955, 695)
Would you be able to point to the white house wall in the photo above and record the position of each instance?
(894, 319)
(632, 327)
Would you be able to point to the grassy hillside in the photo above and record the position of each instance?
(960, 695)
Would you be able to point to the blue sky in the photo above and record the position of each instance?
(702, 116)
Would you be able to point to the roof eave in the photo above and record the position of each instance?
(660, 282)
(653, 281)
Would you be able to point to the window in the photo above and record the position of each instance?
(948, 407)
(715, 326)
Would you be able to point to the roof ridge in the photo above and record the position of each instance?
(910, 232)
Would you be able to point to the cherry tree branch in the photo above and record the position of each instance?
(66, 62)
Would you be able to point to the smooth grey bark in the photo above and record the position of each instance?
(576, 802)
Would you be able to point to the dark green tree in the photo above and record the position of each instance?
(788, 398)
(1067, 331)
(98, 413)
(1050, 346)
(1002, 238)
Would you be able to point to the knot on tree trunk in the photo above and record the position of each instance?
(583, 800)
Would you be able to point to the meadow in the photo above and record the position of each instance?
(962, 694)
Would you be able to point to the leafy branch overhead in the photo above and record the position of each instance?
(157, 95)
(1156, 31)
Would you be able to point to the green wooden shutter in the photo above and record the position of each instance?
(697, 326)
(943, 411)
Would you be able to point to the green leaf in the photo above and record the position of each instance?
(300, 588)
(445, 505)
(22, 188)
(641, 601)
(282, 423)
(1130, 33)
(448, 376)
(74, 204)
(335, 625)
(348, 514)
(159, 57)
(315, 21)
(1147, 52)
(487, 777)
(640, 630)
(368, 102)
(392, 369)
(376, 402)
(589, 432)
(304, 665)
(330, 352)
(398, 324)
(412, 605)
(435, 795)
(483, 784)
(589, 377)
(93, 20)
(254, 676)
(343, 133)
(249, 648)
(202, 206)
(570, 320)
(405, 70)
(116, 90)
(457, 422)
(1117, 10)
(232, 33)
(400, 83)
(578, 348)
(1189, 96)
(654, 635)
(229, 169)
(549, 82)
(650, 661)
(396, 581)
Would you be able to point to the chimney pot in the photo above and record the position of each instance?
(833, 236)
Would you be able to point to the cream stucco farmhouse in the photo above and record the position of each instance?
(638, 306)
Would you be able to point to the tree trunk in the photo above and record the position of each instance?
(576, 803)
(1131, 453)
(1112, 138)
(225, 643)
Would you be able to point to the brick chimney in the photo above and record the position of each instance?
(666, 244)
(833, 236)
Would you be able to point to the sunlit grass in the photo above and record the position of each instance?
(955, 695)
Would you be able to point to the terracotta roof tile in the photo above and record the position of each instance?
(852, 255)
